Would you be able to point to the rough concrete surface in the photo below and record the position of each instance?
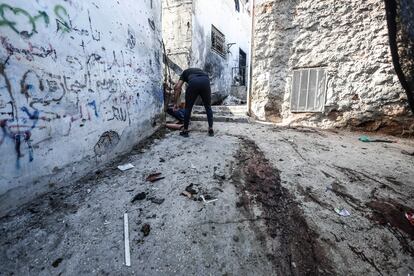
(276, 190)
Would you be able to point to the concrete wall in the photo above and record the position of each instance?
(350, 39)
(236, 28)
(80, 83)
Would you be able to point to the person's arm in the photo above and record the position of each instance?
(177, 89)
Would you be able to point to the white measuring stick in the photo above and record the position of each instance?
(126, 235)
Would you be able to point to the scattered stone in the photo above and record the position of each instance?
(158, 201)
(139, 196)
(190, 189)
(57, 262)
(162, 160)
(236, 239)
(146, 229)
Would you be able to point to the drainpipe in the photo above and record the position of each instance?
(249, 87)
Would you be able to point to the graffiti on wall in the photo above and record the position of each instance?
(45, 91)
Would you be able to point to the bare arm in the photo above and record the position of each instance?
(177, 89)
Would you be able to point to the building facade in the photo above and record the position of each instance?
(328, 64)
(213, 35)
(80, 83)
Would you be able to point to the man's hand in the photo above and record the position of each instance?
(175, 107)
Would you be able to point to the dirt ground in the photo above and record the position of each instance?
(270, 197)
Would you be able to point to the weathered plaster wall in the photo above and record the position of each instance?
(234, 25)
(80, 83)
(177, 34)
(350, 39)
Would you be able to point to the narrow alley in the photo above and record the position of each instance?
(276, 189)
(207, 137)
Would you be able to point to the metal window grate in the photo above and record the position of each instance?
(308, 90)
(218, 41)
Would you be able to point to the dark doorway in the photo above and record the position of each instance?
(242, 66)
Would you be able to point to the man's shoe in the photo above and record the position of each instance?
(184, 133)
(210, 132)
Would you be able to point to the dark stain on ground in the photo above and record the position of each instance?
(392, 214)
(295, 249)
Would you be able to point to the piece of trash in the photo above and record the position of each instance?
(126, 240)
(410, 217)
(158, 201)
(146, 228)
(187, 194)
(125, 167)
(207, 201)
(366, 139)
(407, 152)
(342, 212)
(162, 160)
(106, 222)
(88, 191)
(154, 177)
(139, 196)
(190, 189)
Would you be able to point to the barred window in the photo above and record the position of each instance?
(308, 90)
(218, 41)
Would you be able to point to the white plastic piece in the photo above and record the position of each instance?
(126, 235)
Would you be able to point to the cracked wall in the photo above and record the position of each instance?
(80, 83)
(349, 39)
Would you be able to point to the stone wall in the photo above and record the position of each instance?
(349, 39)
(80, 83)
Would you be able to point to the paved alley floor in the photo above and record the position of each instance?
(270, 197)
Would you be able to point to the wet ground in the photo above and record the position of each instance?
(270, 195)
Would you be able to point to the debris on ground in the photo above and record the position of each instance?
(125, 167)
(154, 177)
(342, 212)
(139, 196)
(158, 201)
(190, 189)
(187, 194)
(205, 200)
(410, 217)
(126, 240)
(411, 153)
(367, 139)
(145, 229)
(57, 262)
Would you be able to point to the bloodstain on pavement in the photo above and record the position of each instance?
(295, 249)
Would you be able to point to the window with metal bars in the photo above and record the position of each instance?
(218, 41)
(308, 90)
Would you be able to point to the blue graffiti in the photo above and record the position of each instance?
(93, 104)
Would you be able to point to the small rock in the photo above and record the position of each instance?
(139, 196)
(236, 239)
(57, 262)
(146, 229)
(158, 201)
(162, 160)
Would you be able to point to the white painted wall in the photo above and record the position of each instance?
(234, 25)
(80, 83)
